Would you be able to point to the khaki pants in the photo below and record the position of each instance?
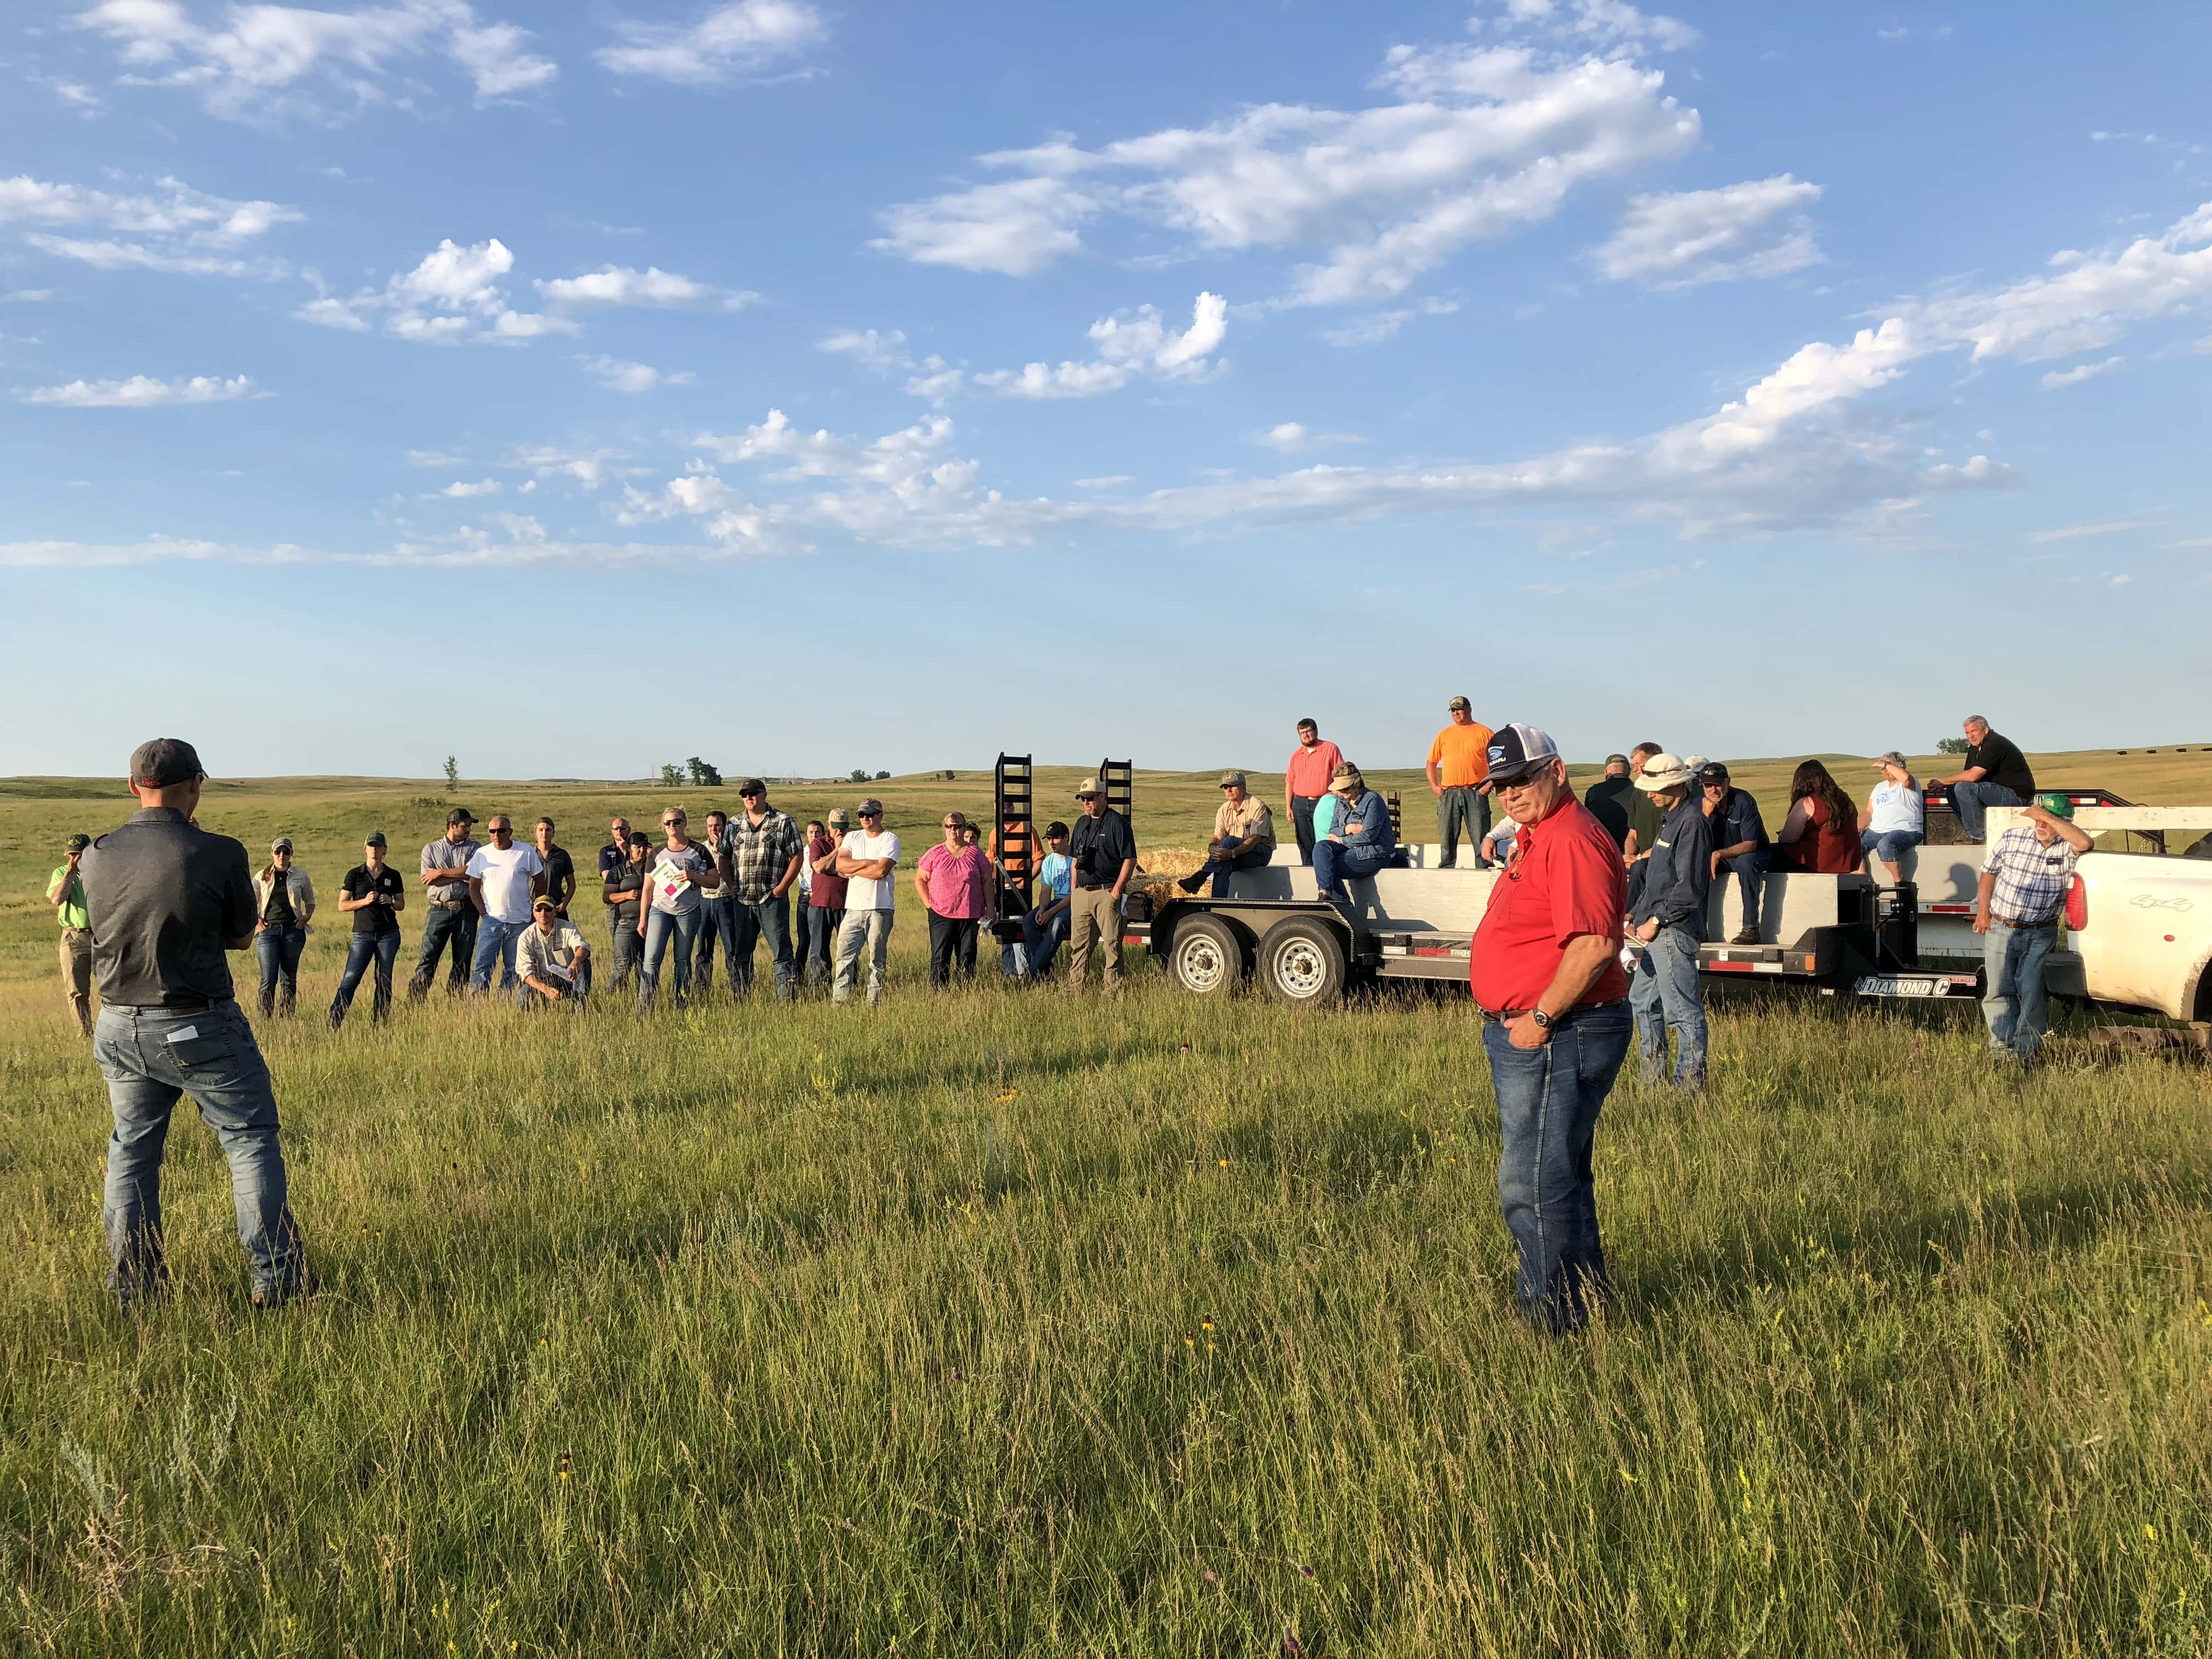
(77, 973)
(1094, 916)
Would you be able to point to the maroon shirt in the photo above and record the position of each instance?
(828, 892)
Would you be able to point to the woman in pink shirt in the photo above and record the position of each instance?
(954, 881)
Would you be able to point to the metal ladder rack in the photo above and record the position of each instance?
(1119, 779)
(1013, 806)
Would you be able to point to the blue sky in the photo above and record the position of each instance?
(571, 388)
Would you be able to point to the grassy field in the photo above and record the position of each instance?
(999, 1322)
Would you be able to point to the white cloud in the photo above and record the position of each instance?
(454, 293)
(1113, 480)
(1483, 141)
(617, 375)
(269, 63)
(1129, 344)
(883, 351)
(739, 41)
(1604, 22)
(1377, 326)
(652, 288)
(431, 457)
(2079, 372)
(2074, 533)
(170, 226)
(1681, 239)
(143, 391)
(588, 467)
(461, 490)
(1292, 436)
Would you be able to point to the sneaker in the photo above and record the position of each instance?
(1746, 935)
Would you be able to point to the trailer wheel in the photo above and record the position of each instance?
(1208, 958)
(1302, 962)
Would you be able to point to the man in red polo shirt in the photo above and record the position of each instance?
(1305, 781)
(1546, 975)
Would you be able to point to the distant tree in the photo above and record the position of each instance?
(880, 776)
(859, 775)
(1952, 745)
(948, 777)
(672, 775)
(452, 774)
(712, 776)
(697, 770)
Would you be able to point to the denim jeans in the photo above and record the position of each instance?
(1462, 809)
(1302, 808)
(573, 996)
(658, 926)
(625, 946)
(951, 940)
(1335, 864)
(1665, 995)
(151, 1059)
(1749, 870)
(745, 926)
(816, 948)
(382, 949)
(715, 928)
(1971, 801)
(871, 929)
(1890, 846)
(279, 950)
(444, 925)
(496, 941)
(1548, 1100)
(2015, 1000)
(1233, 855)
(1041, 942)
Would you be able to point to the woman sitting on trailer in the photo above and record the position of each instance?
(1821, 833)
(1895, 818)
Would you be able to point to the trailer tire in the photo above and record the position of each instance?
(1209, 956)
(1302, 962)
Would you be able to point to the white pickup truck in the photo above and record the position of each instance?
(2138, 924)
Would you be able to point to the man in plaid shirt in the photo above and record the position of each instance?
(2025, 880)
(759, 859)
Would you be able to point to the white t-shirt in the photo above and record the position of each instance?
(506, 878)
(672, 896)
(871, 892)
(1896, 807)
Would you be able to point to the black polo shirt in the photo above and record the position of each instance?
(559, 875)
(1098, 847)
(1609, 800)
(374, 918)
(2003, 764)
(163, 897)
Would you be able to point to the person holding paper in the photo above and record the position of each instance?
(683, 872)
(556, 963)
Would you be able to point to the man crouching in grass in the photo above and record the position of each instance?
(555, 962)
(1546, 975)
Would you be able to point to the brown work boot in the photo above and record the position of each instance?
(1746, 935)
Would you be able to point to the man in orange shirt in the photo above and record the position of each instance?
(1305, 781)
(1457, 766)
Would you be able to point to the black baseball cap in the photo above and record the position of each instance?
(460, 815)
(752, 786)
(1515, 750)
(162, 763)
(376, 839)
(1713, 772)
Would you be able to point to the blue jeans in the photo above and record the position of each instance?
(453, 924)
(1302, 808)
(279, 950)
(151, 1059)
(1664, 995)
(1889, 845)
(715, 927)
(1548, 1100)
(1749, 870)
(625, 946)
(1231, 855)
(383, 949)
(1335, 864)
(2015, 1000)
(1462, 809)
(659, 925)
(1971, 801)
(745, 926)
(818, 941)
(496, 941)
(1041, 942)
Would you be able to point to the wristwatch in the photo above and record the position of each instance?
(1543, 1020)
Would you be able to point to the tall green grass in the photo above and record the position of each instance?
(1001, 1322)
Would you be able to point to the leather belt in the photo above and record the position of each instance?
(2026, 926)
(202, 1007)
(1579, 1008)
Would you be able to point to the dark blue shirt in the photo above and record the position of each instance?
(1738, 821)
(1679, 872)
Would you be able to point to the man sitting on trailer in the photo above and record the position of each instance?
(1607, 799)
(1668, 917)
(2022, 892)
(1367, 843)
(1243, 837)
(1996, 774)
(1740, 848)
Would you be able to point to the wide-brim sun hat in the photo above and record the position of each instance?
(1663, 772)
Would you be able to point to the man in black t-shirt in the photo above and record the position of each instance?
(375, 893)
(1996, 774)
(1104, 854)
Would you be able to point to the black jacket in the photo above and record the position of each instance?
(1680, 871)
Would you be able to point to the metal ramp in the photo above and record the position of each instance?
(1013, 806)
(1119, 779)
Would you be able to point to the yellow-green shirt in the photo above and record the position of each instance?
(71, 910)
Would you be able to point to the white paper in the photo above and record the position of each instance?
(184, 1033)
